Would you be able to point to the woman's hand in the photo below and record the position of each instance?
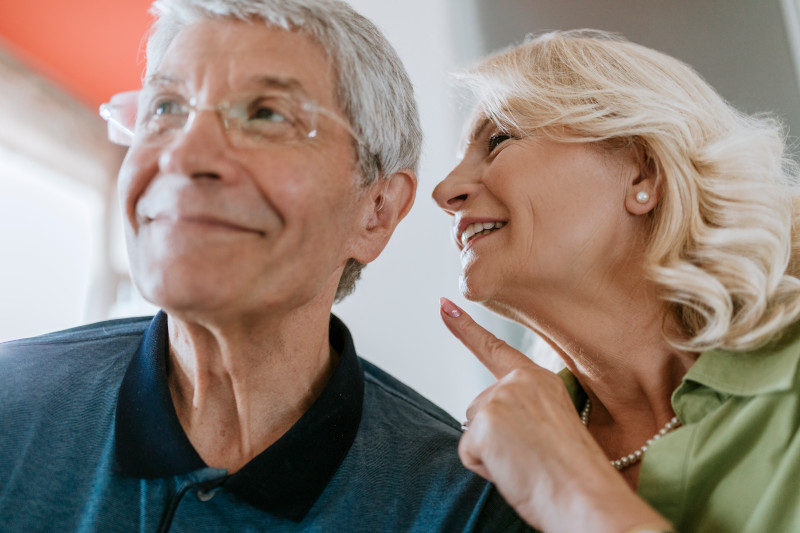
(525, 436)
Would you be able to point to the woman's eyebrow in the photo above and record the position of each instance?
(478, 129)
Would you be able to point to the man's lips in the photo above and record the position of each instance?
(469, 229)
(202, 220)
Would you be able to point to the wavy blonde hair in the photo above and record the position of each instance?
(724, 245)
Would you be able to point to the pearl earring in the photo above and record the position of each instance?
(642, 197)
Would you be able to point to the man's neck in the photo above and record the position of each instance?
(237, 390)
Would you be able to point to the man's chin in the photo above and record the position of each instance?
(181, 294)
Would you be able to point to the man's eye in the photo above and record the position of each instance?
(496, 139)
(268, 111)
(166, 107)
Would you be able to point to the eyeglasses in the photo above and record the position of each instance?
(155, 118)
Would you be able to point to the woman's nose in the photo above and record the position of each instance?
(453, 191)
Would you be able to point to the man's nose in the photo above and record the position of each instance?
(458, 187)
(199, 149)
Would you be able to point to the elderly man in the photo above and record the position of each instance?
(272, 153)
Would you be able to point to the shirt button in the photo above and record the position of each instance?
(204, 496)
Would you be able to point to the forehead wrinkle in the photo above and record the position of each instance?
(286, 84)
(162, 80)
(185, 70)
(291, 85)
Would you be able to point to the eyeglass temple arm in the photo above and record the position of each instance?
(105, 112)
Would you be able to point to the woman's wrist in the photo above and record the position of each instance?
(603, 505)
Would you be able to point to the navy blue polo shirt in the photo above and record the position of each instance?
(91, 442)
(286, 479)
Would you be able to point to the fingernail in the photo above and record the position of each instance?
(450, 308)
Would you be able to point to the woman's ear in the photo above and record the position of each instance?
(389, 200)
(642, 193)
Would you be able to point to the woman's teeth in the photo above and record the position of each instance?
(479, 228)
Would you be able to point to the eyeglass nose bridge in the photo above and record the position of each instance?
(221, 110)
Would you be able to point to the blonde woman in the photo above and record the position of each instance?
(611, 201)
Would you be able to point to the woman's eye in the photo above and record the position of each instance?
(496, 139)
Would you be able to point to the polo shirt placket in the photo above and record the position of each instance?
(285, 479)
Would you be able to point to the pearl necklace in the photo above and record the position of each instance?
(632, 458)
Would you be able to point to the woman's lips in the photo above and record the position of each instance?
(470, 229)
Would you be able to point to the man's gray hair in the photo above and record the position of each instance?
(373, 87)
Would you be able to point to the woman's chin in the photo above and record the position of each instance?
(472, 290)
(493, 296)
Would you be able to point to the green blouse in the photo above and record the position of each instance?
(734, 465)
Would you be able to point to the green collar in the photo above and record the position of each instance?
(771, 368)
(574, 388)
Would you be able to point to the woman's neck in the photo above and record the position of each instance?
(615, 346)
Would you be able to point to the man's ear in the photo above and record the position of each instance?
(643, 193)
(386, 203)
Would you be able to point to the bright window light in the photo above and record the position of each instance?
(49, 232)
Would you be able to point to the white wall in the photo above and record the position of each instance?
(740, 47)
(49, 240)
(394, 312)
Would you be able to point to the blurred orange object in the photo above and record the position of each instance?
(91, 48)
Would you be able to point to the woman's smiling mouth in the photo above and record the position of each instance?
(477, 229)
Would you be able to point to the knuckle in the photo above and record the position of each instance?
(483, 417)
(520, 376)
(502, 396)
(493, 345)
(495, 406)
(466, 453)
(463, 448)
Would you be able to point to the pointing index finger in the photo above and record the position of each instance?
(496, 355)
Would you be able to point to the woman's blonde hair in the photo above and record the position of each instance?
(724, 242)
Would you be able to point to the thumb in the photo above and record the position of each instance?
(497, 356)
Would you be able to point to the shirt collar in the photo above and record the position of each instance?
(286, 478)
(772, 368)
(574, 388)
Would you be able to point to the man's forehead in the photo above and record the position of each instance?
(256, 81)
(246, 55)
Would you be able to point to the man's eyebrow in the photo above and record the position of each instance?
(289, 84)
(269, 82)
(161, 79)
